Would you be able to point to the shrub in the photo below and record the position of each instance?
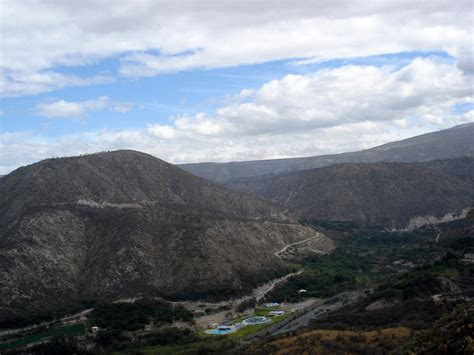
(132, 316)
(247, 304)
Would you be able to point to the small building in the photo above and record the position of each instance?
(271, 305)
(469, 258)
(94, 329)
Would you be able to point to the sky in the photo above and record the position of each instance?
(198, 81)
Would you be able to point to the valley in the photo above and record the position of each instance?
(396, 266)
(135, 255)
(236, 177)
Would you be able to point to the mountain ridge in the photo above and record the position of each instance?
(388, 194)
(449, 143)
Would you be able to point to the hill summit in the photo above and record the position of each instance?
(126, 224)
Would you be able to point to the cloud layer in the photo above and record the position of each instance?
(327, 111)
(148, 37)
(425, 88)
(52, 45)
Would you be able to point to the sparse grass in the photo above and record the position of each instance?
(262, 312)
(333, 341)
(249, 329)
(206, 345)
(295, 266)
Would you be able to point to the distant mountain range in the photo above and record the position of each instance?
(125, 224)
(388, 194)
(445, 144)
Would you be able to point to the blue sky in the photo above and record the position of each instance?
(226, 81)
(156, 99)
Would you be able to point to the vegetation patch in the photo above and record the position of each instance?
(217, 345)
(366, 256)
(133, 316)
(67, 330)
(335, 341)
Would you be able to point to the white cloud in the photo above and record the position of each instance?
(428, 117)
(152, 37)
(80, 109)
(161, 132)
(424, 88)
(124, 107)
(328, 111)
(75, 110)
(467, 117)
(26, 82)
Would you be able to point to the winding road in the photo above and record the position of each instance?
(280, 252)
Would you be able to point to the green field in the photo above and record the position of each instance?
(212, 343)
(67, 330)
(250, 329)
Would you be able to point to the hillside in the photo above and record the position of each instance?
(445, 144)
(388, 194)
(125, 224)
(421, 289)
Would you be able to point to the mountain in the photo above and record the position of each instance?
(125, 224)
(387, 194)
(462, 168)
(445, 144)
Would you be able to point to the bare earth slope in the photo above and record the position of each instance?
(445, 144)
(388, 194)
(125, 224)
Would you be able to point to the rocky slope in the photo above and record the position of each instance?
(125, 224)
(445, 144)
(388, 194)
